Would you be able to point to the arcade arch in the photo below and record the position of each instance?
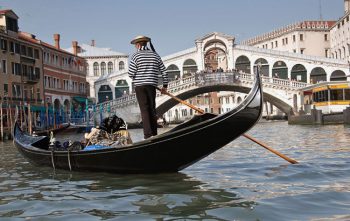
(338, 75)
(173, 72)
(264, 66)
(189, 67)
(105, 93)
(121, 88)
(318, 74)
(243, 64)
(298, 73)
(280, 70)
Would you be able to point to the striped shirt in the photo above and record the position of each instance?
(145, 67)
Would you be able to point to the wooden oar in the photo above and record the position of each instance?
(245, 135)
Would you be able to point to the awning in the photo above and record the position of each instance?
(37, 108)
(82, 99)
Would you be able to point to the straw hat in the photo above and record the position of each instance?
(140, 38)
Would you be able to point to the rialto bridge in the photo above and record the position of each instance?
(216, 53)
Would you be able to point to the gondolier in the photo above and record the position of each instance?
(144, 69)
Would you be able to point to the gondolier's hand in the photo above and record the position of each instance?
(163, 90)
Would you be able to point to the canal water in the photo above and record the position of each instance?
(242, 181)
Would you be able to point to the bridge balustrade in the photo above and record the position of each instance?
(205, 79)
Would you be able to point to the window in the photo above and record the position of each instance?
(293, 38)
(38, 93)
(103, 68)
(326, 37)
(3, 66)
(337, 95)
(3, 45)
(16, 90)
(96, 69)
(276, 44)
(6, 90)
(110, 67)
(286, 41)
(30, 52)
(302, 50)
(23, 50)
(121, 65)
(36, 54)
(12, 47)
(11, 24)
(301, 37)
(17, 48)
(37, 73)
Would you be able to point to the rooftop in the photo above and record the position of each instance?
(93, 51)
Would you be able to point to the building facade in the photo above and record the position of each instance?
(307, 37)
(103, 63)
(21, 68)
(340, 35)
(64, 76)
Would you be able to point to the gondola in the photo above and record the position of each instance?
(171, 151)
(61, 128)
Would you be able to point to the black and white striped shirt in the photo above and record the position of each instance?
(145, 67)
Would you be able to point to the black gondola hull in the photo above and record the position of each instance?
(168, 152)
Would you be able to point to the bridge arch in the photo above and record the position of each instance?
(215, 58)
(264, 66)
(338, 75)
(168, 103)
(299, 73)
(243, 64)
(173, 72)
(189, 67)
(318, 74)
(280, 70)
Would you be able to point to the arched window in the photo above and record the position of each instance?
(103, 68)
(121, 65)
(96, 69)
(110, 67)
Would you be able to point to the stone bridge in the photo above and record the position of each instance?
(279, 92)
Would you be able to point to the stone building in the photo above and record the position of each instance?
(340, 35)
(103, 63)
(21, 66)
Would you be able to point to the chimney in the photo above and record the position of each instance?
(75, 47)
(347, 6)
(93, 43)
(56, 37)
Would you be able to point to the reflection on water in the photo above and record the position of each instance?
(242, 181)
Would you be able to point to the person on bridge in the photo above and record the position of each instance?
(144, 68)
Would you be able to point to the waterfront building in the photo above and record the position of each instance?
(340, 35)
(64, 76)
(21, 67)
(307, 37)
(329, 39)
(104, 63)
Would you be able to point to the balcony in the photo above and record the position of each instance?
(31, 78)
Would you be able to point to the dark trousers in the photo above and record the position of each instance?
(146, 97)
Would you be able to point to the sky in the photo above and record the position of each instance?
(173, 25)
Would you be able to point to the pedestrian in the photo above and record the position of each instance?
(144, 69)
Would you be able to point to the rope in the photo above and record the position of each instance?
(70, 167)
(52, 160)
